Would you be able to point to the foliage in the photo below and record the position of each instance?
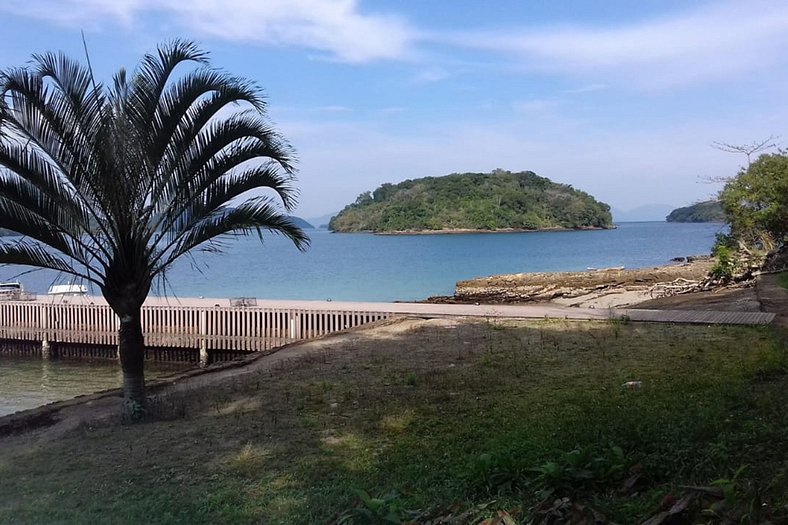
(725, 262)
(707, 211)
(477, 201)
(113, 184)
(576, 471)
(385, 510)
(756, 201)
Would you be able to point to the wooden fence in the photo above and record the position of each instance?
(219, 328)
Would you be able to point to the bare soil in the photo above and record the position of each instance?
(729, 299)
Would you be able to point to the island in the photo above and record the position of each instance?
(471, 202)
(301, 223)
(706, 211)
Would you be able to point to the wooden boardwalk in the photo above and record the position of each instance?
(700, 317)
(221, 325)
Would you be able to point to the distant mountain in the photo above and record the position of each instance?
(500, 200)
(648, 212)
(323, 220)
(707, 211)
(301, 223)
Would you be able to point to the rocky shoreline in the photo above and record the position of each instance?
(452, 231)
(592, 288)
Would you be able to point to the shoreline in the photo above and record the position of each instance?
(592, 288)
(455, 231)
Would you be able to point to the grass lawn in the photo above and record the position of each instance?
(439, 417)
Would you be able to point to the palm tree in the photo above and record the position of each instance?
(112, 184)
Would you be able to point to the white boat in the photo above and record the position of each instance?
(68, 289)
(11, 290)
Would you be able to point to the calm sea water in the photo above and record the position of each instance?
(357, 267)
(365, 267)
(28, 383)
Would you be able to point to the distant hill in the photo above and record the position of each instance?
(301, 223)
(647, 212)
(323, 220)
(707, 211)
(473, 201)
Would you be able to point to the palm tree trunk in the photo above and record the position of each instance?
(131, 346)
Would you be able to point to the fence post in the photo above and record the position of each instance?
(203, 338)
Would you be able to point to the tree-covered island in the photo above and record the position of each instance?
(500, 200)
(707, 211)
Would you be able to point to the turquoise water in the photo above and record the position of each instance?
(365, 267)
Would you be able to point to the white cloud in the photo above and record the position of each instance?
(334, 27)
(712, 41)
(716, 41)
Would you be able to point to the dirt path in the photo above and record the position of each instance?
(774, 298)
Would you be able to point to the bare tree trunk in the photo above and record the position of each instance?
(131, 347)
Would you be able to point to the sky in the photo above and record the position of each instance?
(621, 99)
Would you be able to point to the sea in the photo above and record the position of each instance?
(368, 267)
(354, 267)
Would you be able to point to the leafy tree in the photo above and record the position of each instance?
(112, 184)
(756, 201)
(707, 211)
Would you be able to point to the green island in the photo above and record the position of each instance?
(501, 200)
(706, 211)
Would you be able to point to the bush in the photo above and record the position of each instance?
(724, 251)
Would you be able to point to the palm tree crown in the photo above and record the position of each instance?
(112, 184)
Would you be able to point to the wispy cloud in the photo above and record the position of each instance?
(714, 41)
(335, 109)
(336, 28)
(429, 76)
(588, 88)
(625, 169)
(711, 41)
(538, 105)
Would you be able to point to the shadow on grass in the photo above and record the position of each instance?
(422, 408)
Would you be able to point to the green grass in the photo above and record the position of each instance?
(783, 279)
(447, 418)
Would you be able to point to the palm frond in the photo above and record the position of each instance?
(253, 216)
(24, 252)
(220, 147)
(58, 124)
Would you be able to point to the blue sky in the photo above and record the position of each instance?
(622, 99)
